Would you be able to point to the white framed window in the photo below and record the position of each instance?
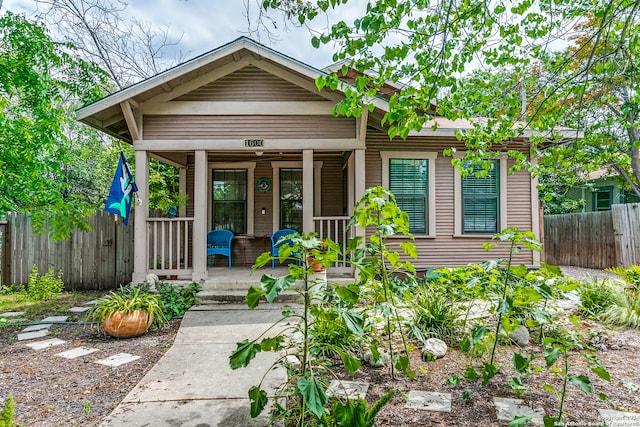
(480, 202)
(231, 197)
(410, 176)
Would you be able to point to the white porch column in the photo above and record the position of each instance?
(200, 217)
(182, 180)
(140, 260)
(359, 184)
(307, 191)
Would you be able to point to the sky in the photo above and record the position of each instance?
(207, 24)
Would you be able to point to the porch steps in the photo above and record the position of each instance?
(236, 296)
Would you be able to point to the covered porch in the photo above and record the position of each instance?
(308, 190)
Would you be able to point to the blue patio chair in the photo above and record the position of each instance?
(276, 243)
(219, 243)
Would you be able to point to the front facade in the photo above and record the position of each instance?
(258, 150)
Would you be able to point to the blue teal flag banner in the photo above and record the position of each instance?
(122, 187)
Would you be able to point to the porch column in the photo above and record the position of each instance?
(307, 191)
(200, 217)
(359, 184)
(140, 260)
(182, 180)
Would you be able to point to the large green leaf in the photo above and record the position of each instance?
(274, 286)
(258, 400)
(351, 364)
(353, 320)
(253, 297)
(581, 381)
(520, 363)
(488, 371)
(313, 394)
(244, 352)
(551, 355)
(519, 421)
(349, 294)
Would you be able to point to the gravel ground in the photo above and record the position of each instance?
(582, 274)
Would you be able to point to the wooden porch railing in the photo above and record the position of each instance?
(169, 240)
(335, 228)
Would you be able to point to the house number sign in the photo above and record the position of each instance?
(253, 142)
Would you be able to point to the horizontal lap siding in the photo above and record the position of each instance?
(250, 84)
(446, 250)
(240, 127)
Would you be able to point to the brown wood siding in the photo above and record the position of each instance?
(446, 250)
(250, 84)
(239, 127)
(333, 199)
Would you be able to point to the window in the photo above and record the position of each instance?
(602, 198)
(291, 198)
(410, 176)
(408, 181)
(230, 200)
(481, 200)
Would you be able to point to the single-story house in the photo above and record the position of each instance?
(605, 188)
(259, 150)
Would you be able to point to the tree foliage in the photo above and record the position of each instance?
(571, 64)
(39, 82)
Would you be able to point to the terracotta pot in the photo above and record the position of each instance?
(127, 325)
(317, 267)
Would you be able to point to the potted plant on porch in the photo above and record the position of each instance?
(127, 313)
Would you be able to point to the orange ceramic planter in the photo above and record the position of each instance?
(317, 267)
(127, 325)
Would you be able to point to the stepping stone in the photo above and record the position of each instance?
(429, 401)
(79, 309)
(118, 359)
(12, 313)
(618, 418)
(37, 327)
(39, 345)
(77, 352)
(33, 335)
(507, 409)
(348, 389)
(53, 319)
(14, 320)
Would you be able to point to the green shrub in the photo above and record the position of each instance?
(177, 299)
(596, 297)
(7, 413)
(329, 333)
(43, 288)
(626, 308)
(435, 315)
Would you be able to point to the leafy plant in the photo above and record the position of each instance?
(332, 329)
(435, 315)
(558, 349)
(354, 413)
(43, 288)
(125, 302)
(626, 307)
(596, 296)
(377, 263)
(8, 412)
(307, 379)
(177, 299)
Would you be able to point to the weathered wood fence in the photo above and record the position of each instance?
(99, 259)
(594, 239)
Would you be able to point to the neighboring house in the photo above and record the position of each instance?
(604, 189)
(259, 150)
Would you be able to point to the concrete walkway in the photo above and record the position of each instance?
(192, 385)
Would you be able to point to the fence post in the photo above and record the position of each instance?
(5, 253)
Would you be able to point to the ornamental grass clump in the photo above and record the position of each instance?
(128, 302)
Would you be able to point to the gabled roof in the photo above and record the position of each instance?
(107, 115)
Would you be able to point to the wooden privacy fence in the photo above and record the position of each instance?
(594, 239)
(99, 259)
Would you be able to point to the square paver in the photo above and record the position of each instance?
(15, 320)
(79, 309)
(507, 409)
(51, 319)
(348, 389)
(12, 314)
(619, 419)
(118, 359)
(39, 345)
(429, 401)
(37, 327)
(77, 352)
(33, 335)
